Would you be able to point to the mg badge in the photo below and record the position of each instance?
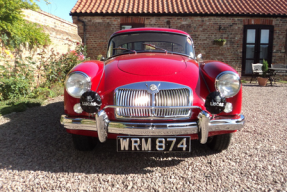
(153, 87)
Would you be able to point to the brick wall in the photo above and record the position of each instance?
(63, 34)
(202, 29)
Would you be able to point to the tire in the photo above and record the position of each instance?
(219, 142)
(84, 143)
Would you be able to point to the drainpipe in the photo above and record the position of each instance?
(84, 29)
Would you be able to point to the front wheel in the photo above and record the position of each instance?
(219, 142)
(84, 143)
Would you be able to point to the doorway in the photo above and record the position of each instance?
(257, 45)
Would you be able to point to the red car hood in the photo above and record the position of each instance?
(151, 64)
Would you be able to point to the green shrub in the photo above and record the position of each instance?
(14, 88)
(220, 40)
(15, 30)
(265, 67)
(15, 80)
(41, 93)
(26, 79)
(57, 66)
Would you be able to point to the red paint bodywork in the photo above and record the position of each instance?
(131, 68)
(153, 64)
(148, 29)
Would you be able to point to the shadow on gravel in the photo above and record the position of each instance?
(34, 140)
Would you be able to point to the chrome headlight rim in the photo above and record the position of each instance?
(88, 79)
(224, 73)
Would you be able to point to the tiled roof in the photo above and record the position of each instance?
(227, 7)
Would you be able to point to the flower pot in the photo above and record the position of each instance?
(262, 81)
(220, 43)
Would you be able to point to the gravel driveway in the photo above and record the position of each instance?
(37, 154)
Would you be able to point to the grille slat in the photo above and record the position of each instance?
(128, 101)
(120, 102)
(135, 96)
(134, 103)
(166, 102)
(141, 103)
(181, 101)
(164, 98)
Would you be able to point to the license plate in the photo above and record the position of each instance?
(153, 144)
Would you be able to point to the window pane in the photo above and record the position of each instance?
(138, 45)
(263, 51)
(250, 51)
(248, 66)
(264, 36)
(126, 26)
(250, 35)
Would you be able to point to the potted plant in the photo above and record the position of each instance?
(263, 79)
(219, 42)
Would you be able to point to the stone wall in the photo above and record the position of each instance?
(202, 29)
(63, 34)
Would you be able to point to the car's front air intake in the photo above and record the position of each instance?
(153, 94)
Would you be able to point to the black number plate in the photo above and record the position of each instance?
(156, 144)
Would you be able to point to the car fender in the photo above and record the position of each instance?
(95, 70)
(210, 70)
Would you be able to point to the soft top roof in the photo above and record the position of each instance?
(151, 29)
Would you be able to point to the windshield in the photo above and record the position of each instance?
(170, 42)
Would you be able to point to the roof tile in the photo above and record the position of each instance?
(261, 7)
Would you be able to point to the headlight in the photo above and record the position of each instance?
(77, 83)
(227, 83)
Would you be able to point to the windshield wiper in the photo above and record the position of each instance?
(151, 45)
(120, 48)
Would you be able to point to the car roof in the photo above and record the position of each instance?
(153, 29)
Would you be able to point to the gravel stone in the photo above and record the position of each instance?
(36, 154)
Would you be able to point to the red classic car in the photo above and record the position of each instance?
(152, 94)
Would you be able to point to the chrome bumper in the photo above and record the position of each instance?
(202, 127)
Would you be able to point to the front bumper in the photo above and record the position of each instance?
(202, 127)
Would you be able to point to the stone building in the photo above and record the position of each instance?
(254, 29)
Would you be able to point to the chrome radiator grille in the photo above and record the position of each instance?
(167, 95)
(128, 97)
(173, 97)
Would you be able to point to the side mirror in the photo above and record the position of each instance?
(103, 58)
(199, 58)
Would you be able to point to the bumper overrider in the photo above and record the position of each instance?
(205, 124)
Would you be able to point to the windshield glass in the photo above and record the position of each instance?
(138, 41)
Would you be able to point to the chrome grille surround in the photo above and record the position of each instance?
(167, 95)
